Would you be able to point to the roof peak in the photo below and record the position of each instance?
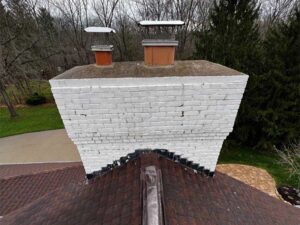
(141, 153)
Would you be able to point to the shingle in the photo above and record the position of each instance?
(194, 199)
(26, 183)
(189, 198)
(13, 170)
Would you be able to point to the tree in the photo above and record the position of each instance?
(232, 38)
(269, 113)
(276, 10)
(278, 88)
(105, 11)
(3, 92)
(73, 18)
(127, 39)
(21, 49)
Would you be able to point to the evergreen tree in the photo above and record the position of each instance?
(232, 38)
(278, 108)
(269, 114)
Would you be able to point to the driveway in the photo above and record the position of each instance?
(45, 146)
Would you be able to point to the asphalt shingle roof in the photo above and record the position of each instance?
(22, 184)
(188, 198)
(14, 170)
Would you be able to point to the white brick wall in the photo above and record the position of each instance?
(110, 117)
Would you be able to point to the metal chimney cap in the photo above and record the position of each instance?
(161, 23)
(102, 48)
(99, 30)
(159, 42)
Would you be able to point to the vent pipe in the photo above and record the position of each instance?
(103, 53)
(160, 52)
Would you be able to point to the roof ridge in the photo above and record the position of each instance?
(162, 152)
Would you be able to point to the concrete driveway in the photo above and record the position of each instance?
(45, 146)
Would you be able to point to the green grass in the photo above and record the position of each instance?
(267, 161)
(30, 119)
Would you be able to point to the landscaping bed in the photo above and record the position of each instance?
(290, 194)
(266, 160)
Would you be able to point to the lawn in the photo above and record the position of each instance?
(267, 161)
(31, 119)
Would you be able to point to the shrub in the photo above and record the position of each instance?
(290, 157)
(36, 99)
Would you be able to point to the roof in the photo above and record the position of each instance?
(161, 23)
(187, 198)
(14, 170)
(21, 184)
(138, 69)
(99, 30)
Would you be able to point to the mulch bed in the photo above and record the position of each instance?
(289, 194)
(253, 176)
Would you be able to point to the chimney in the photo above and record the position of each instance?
(160, 52)
(183, 111)
(103, 53)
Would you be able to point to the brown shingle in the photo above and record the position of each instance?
(188, 199)
(193, 199)
(20, 187)
(13, 170)
(113, 198)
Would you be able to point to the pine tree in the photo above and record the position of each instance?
(278, 108)
(232, 38)
(270, 111)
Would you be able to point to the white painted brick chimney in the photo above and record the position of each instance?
(107, 118)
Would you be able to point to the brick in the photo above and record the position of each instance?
(108, 118)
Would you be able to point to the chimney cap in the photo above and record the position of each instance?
(102, 48)
(161, 23)
(99, 30)
(159, 42)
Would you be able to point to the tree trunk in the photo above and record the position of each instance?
(3, 92)
(29, 88)
(7, 101)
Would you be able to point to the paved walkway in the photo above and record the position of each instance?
(45, 146)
